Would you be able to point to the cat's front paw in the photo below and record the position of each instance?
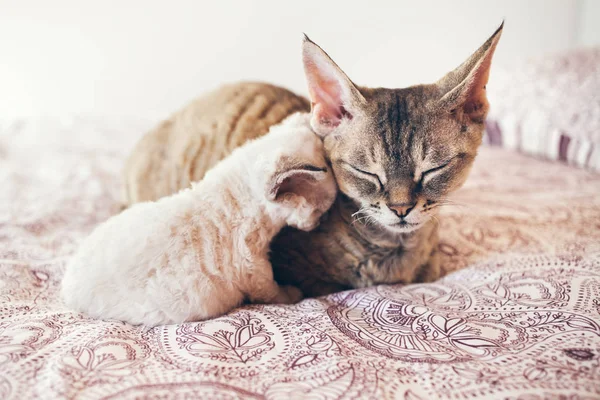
(294, 294)
(289, 295)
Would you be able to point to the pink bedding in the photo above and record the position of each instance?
(517, 317)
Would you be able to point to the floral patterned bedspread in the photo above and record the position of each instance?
(518, 315)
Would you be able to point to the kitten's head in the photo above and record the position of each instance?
(299, 183)
(398, 153)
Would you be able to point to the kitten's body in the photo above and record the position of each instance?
(199, 253)
(396, 154)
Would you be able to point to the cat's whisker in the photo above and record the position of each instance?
(451, 203)
(358, 214)
(371, 220)
(360, 211)
(365, 219)
(435, 219)
(359, 220)
(361, 215)
(364, 215)
(444, 203)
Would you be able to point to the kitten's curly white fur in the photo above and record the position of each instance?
(201, 252)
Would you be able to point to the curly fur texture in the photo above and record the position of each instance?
(201, 252)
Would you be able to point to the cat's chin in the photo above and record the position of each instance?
(402, 227)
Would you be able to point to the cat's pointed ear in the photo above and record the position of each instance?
(463, 90)
(332, 94)
(292, 179)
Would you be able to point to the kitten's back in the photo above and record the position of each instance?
(167, 159)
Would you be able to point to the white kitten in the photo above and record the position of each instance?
(201, 252)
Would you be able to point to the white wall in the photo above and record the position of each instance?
(146, 58)
(589, 22)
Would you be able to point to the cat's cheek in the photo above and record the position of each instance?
(359, 190)
(425, 215)
(346, 186)
(357, 195)
(348, 191)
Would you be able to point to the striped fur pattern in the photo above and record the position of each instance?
(181, 149)
(396, 153)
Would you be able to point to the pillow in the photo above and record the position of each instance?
(549, 107)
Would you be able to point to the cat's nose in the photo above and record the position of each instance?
(401, 209)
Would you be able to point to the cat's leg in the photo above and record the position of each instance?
(420, 263)
(317, 287)
(262, 288)
(431, 270)
(269, 292)
(288, 295)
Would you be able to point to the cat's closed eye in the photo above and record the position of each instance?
(434, 169)
(431, 172)
(370, 176)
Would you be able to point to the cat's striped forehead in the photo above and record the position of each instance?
(400, 121)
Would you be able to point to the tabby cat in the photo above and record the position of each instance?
(396, 154)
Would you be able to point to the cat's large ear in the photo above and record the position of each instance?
(292, 179)
(332, 94)
(463, 90)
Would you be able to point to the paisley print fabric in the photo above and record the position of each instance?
(517, 315)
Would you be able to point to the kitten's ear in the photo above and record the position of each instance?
(332, 94)
(463, 89)
(291, 179)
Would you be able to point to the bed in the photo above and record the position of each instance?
(517, 314)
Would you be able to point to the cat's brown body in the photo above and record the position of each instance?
(396, 154)
(181, 149)
(342, 254)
